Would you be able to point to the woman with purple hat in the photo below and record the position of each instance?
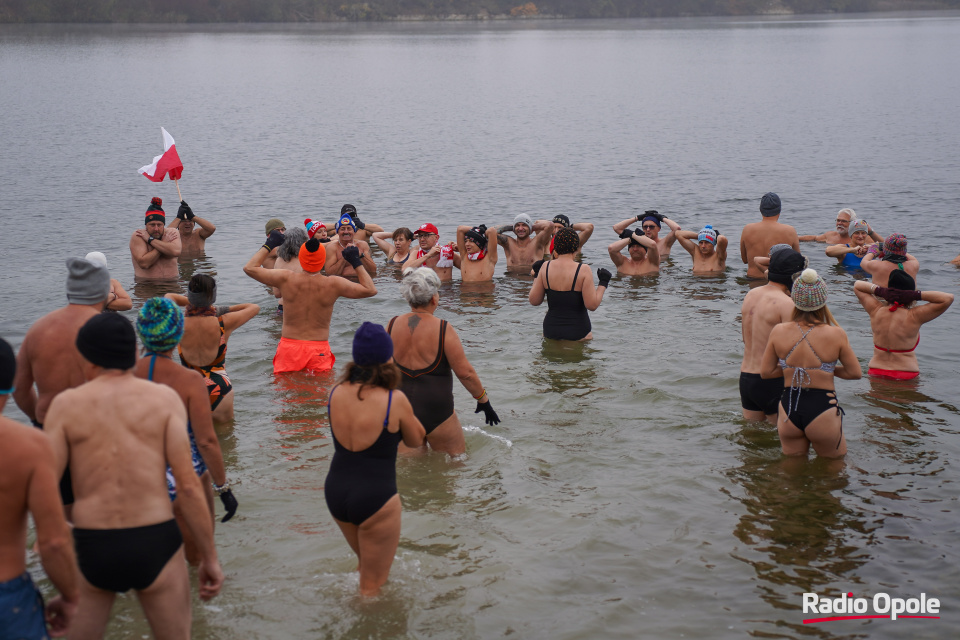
(805, 353)
(369, 417)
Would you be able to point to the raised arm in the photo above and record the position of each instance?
(864, 292)
(362, 288)
(272, 277)
(380, 237)
(839, 250)
(207, 228)
(722, 243)
(674, 229)
(366, 258)
(614, 249)
(238, 315)
(685, 238)
(623, 224)
(180, 300)
(462, 238)
(938, 303)
(653, 253)
(492, 245)
(118, 300)
(812, 238)
(584, 230)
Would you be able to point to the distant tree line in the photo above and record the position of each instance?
(199, 11)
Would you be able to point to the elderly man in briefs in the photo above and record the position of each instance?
(336, 264)
(29, 481)
(710, 253)
(124, 531)
(308, 299)
(442, 259)
(193, 231)
(651, 222)
(644, 255)
(155, 248)
(758, 237)
(527, 248)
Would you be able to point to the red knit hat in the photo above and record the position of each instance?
(154, 212)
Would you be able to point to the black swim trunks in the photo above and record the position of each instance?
(759, 394)
(123, 559)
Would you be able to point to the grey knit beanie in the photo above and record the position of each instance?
(87, 283)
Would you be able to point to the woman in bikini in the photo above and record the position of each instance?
(205, 333)
(805, 352)
(428, 351)
(895, 320)
(568, 288)
(369, 418)
(399, 251)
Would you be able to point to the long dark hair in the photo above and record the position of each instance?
(385, 375)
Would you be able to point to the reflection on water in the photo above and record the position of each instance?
(564, 366)
(143, 290)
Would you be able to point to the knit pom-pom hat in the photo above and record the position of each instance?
(809, 291)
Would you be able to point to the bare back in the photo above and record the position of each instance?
(763, 308)
(898, 331)
(823, 344)
(113, 446)
(416, 338)
(201, 340)
(50, 355)
(758, 237)
(308, 306)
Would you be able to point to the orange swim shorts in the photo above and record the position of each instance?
(303, 355)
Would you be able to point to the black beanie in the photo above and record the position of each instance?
(8, 367)
(108, 340)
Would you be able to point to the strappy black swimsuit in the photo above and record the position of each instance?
(804, 404)
(359, 483)
(567, 317)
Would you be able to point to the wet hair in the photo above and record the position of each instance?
(385, 375)
(292, 239)
(820, 316)
(203, 284)
(403, 232)
(419, 286)
(902, 281)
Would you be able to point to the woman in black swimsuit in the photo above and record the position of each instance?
(428, 352)
(399, 252)
(368, 418)
(569, 290)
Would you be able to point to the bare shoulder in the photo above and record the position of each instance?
(20, 440)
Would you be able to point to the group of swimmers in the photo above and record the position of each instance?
(137, 479)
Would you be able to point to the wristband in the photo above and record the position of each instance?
(265, 246)
(218, 489)
(480, 397)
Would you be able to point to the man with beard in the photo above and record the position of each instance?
(650, 222)
(526, 248)
(346, 232)
(842, 233)
(155, 248)
(193, 231)
(710, 253)
(851, 253)
(764, 308)
(479, 248)
(442, 259)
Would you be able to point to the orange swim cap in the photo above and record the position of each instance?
(312, 256)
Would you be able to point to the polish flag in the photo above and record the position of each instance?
(166, 163)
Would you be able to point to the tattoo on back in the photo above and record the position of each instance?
(413, 321)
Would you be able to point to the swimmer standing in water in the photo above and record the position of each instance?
(710, 253)
(651, 221)
(478, 253)
(758, 237)
(892, 256)
(369, 417)
(805, 352)
(644, 256)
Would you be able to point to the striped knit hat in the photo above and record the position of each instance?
(895, 244)
(809, 291)
(154, 212)
(160, 324)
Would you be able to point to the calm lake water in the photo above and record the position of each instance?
(622, 496)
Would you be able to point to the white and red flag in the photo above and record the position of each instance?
(167, 163)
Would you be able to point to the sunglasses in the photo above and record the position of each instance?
(649, 226)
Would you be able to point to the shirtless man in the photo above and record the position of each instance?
(758, 237)
(308, 300)
(710, 253)
(124, 531)
(764, 308)
(478, 251)
(442, 259)
(192, 240)
(584, 231)
(48, 357)
(527, 248)
(29, 483)
(119, 299)
(273, 224)
(363, 231)
(155, 248)
(842, 234)
(160, 327)
(346, 237)
(644, 253)
(651, 221)
(892, 256)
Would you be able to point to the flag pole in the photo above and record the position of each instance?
(178, 189)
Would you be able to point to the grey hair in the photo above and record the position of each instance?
(850, 212)
(292, 239)
(419, 286)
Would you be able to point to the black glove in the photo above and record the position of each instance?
(357, 223)
(230, 504)
(185, 212)
(490, 416)
(603, 277)
(626, 234)
(898, 295)
(651, 213)
(536, 267)
(274, 240)
(352, 255)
